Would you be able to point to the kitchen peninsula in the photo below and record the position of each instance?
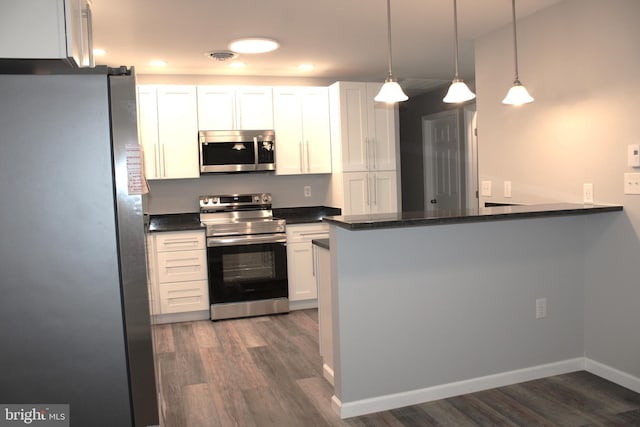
(431, 305)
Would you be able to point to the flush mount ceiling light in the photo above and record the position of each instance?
(391, 91)
(158, 63)
(253, 45)
(518, 94)
(458, 91)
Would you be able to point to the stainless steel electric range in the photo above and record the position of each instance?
(246, 256)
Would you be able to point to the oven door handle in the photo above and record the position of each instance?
(252, 239)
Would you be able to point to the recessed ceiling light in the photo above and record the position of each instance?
(238, 65)
(253, 45)
(99, 52)
(305, 67)
(158, 63)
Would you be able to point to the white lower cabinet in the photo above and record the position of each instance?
(178, 274)
(301, 268)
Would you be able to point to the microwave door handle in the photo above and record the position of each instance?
(256, 147)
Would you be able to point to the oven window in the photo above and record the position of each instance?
(247, 272)
(238, 267)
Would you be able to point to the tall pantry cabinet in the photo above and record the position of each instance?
(365, 160)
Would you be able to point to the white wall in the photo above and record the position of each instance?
(580, 60)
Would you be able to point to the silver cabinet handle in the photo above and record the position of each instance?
(374, 154)
(368, 204)
(300, 151)
(366, 153)
(375, 189)
(87, 14)
(307, 149)
(163, 168)
(156, 160)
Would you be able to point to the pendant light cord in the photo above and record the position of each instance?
(515, 39)
(455, 31)
(389, 33)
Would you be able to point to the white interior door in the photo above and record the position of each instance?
(444, 173)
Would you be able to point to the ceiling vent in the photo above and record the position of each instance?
(222, 55)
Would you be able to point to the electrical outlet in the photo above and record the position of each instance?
(632, 183)
(587, 193)
(307, 191)
(541, 308)
(507, 189)
(485, 188)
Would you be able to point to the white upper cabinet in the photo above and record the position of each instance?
(168, 131)
(235, 108)
(302, 126)
(367, 128)
(45, 29)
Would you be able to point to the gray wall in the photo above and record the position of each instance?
(580, 60)
(437, 304)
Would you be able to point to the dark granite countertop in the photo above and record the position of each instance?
(175, 222)
(305, 214)
(323, 243)
(415, 219)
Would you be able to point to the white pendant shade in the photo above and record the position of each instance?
(390, 92)
(458, 92)
(517, 95)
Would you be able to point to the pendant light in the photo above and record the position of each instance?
(391, 91)
(458, 91)
(518, 94)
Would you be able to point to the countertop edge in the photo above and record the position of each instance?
(356, 223)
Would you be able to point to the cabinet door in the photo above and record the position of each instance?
(301, 274)
(148, 130)
(316, 130)
(42, 29)
(254, 108)
(178, 131)
(353, 125)
(384, 192)
(287, 118)
(381, 148)
(356, 193)
(216, 108)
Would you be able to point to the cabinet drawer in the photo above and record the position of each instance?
(182, 266)
(184, 296)
(307, 232)
(180, 241)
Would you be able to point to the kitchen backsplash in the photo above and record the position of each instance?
(181, 195)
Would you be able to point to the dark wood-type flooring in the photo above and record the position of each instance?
(266, 371)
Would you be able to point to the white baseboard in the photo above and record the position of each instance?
(303, 305)
(443, 391)
(613, 375)
(327, 373)
(159, 319)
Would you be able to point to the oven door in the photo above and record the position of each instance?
(247, 268)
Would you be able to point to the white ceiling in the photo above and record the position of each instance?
(344, 39)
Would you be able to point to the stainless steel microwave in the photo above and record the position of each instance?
(237, 150)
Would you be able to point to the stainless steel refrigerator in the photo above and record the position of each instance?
(74, 307)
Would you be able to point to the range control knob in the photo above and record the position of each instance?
(266, 198)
